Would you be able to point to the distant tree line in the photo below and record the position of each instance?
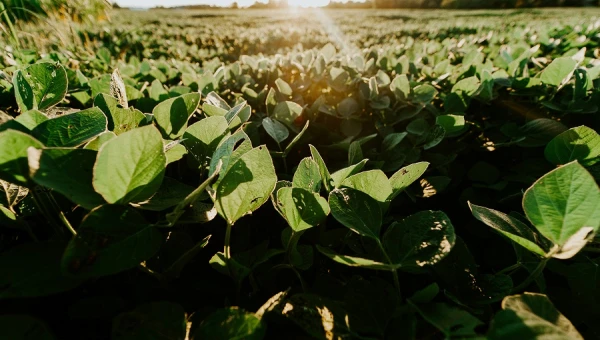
(474, 4)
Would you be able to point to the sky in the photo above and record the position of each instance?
(170, 3)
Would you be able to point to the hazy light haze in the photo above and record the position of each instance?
(174, 3)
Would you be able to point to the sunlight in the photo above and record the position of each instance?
(308, 3)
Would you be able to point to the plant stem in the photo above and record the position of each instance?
(510, 268)
(394, 271)
(227, 248)
(534, 275)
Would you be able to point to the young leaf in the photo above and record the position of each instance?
(117, 88)
(562, 202)
(203, 137)
(119, 119)
(406, 176)
(325, 176)
(303, 209)
(530, 316)
(130, 167)
(72, 129)
(40, 86)
(373, 183)
(68, 171)
(580, 143)
(339, 176)
(400, 86)
(14, 167)
(424, 238)
(296, 139)
(283, 87)
(172, 115)
(307, 175)
(287, 113)
(110, 239)
(275, 129)
(246, 185)
(559, 71)
(510, 227)
(357, 211)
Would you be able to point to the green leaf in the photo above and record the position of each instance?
(424, 238)
(238, 115)
(174, 152)
(580, 143)
(424, 94)
(246, 185)
(406, 176)
(151, 321)
(400, 86)
(175, 268)
(283, 87)
(452, 321)
(230, 323)
(24, 327)
(302, 209)
(119, 119)
(510, 227)
(563, 202)
(373, 183)
(352, 261)
(31, 119)
(72, 129)
(287, 113)
(339, 176)
(296, 139)
(451, 123)
(130, 167)
(68, 171)
(325, 176)
(190, 200)
(172, 115)
(275, 129)
(307, 175)
(96, 143)
(347, 107)
(357, 211)
(110, 239)
(170, 194)
(531, 316)
(32, 270)
(203, 137)
(215, 105)
(40, 86)
(559, 71)
(14, 167)
(319, 317)
(539, 132)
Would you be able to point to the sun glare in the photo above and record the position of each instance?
(308, 3)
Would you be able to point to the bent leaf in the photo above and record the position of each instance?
(562, 202)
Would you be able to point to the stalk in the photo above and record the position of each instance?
(12, 29)
(227, 248)
(394, 271)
